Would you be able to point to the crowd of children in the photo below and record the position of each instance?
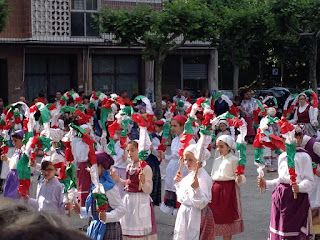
(104, 158)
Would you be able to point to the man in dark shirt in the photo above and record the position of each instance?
(220, 106)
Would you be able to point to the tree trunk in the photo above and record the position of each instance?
(235, 80)
(313, 65)
(158, 63)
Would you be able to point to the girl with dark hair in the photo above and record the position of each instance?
(12, 182)
(104, 225)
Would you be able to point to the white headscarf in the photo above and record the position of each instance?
(224, 121)
(193, 149)
(228, 140)
(271, 111)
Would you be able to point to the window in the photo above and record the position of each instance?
(82, 24)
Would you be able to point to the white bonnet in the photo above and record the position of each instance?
(193, 149)
(224, 121)
(228, 140)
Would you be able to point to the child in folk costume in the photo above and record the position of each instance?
(50, 197)
(194, 219)
(121, 161)
(170, 204)
(269, 155)
(290, 218)
(226, 203)
(139, 220)
(156, 140)
(223, 128)
(312, 146)
(104, 225)
(80, 152)
(12, 182)
(306, 115)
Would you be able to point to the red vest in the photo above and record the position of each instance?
(304, 116)
(132, 183)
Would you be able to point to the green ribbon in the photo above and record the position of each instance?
(166, 130)
(205, 103)
(260, 105)
(291, 151)
(137, 98)
(180, 103)
(22, 168)
(80, 130)
(143, 155)
(278, 151)
(241, 148)
(104, 116)
(258, 152)
(188, 126)
(68, 109)
(272, 121)
(217, 95)
(80, 106)
(91, 105)
(127, 111)
(46, 143)
(45, 113)
(205, 130)
(111, 147)
(26, 137)
(226, 115)
(100, 199)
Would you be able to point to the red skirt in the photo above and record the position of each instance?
(83, 182)
(224, 202)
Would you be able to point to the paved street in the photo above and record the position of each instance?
(256, 207)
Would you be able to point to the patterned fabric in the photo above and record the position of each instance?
(207, 224)
(153, 162)
(84, 183)
(113, 230)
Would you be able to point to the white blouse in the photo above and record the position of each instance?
(50, 197)
(303, 169)
(118, 162)
(192, 201)
(312, 114)
(115, 202)
(224, 169)
(80, 150)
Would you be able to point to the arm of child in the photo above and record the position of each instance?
(116, 204)
(148, 183)
(201, 195)
(115, 177)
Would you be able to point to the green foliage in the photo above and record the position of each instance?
(241, 25)
(158, 31)
(4, 12)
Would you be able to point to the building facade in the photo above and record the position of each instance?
(51, 45)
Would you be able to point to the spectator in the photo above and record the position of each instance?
(237, 101)
(123, 95)
(205, 94)
(58, 98)
(180, 110)
(247, 113)
(179, 96)
(34, 101)
(86, 100)
(220, 106)
(187, 96)
(42, 97)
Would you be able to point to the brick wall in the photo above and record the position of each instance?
(14, 56)
(19, 25)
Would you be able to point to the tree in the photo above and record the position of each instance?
(301, 18)
(240, 25)
(4, 12)
(159, 32)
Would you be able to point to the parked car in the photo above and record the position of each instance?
(228, 93)
(281, 94)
